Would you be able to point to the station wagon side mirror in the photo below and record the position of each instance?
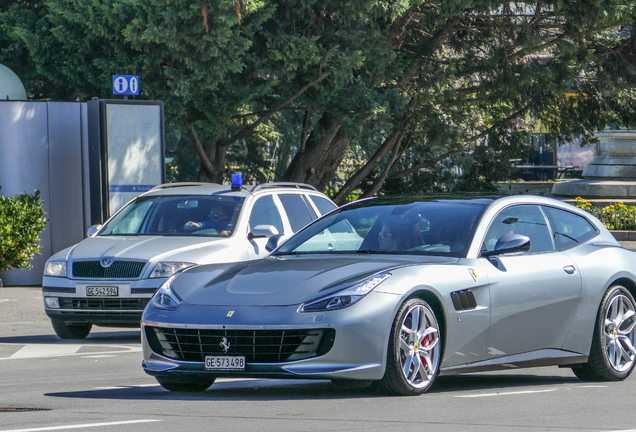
(274, 242)
(509, 243)
(262, 231)
(92, 230)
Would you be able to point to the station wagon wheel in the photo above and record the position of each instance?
(71, 331)
(185, 385)
(414, 350)
(612, 356)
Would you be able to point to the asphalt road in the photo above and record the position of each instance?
(97, 385)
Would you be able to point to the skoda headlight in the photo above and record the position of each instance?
(165, 298)
(167, 269)
(55, 268)
(345, 298)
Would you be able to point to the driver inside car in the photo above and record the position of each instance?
(218, 219)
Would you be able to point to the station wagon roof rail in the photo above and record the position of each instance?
(282, 185)
(179, 185)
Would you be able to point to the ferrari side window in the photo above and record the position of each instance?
(526, 220)
(569, 229)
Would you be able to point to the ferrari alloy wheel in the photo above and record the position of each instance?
(414, 350)
(612, 355)
(185, 385)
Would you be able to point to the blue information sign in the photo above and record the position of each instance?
(125, 85)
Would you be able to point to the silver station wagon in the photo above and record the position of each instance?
(108, 278)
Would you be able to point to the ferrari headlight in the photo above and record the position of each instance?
(165, 298)
(167, 269)
(55, 268)
(346, 297)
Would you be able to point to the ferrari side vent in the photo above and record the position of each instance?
(464, 300)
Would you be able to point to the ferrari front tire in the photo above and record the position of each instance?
(185, 385)
(612, 356)
(415, 346)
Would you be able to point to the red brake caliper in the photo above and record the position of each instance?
(425, 342)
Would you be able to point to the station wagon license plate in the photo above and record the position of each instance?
(102, 291)
(230, 363)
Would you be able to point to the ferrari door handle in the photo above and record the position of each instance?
(569, 269)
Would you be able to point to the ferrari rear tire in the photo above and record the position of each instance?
(612, 356)
(184, 385)
(71, 331)
(415, 346)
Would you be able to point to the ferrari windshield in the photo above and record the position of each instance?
(420, 228)
(172, 215)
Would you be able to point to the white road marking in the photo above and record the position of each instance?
(80, 426)
(45, 350)
(99, 356)
(65, 350)
(507, 394)
(125, 387)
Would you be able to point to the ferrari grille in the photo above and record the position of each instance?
(103, 304)
(119, 269)
(258, 346)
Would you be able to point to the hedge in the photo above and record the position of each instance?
(21, 222)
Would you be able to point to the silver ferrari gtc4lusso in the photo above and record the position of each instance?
(396, 291)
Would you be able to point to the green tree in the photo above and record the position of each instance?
(401, 85)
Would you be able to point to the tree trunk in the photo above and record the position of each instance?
(317, 152)
(337, 152)
(216, 155)
(212, 156)
(375, 160)
(377, 184)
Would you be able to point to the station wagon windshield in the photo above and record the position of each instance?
(442, 228)
(177, 216)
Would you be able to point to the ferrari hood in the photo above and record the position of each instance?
(280, 281)
(144, 248)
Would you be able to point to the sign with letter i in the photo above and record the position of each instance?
(125, 85)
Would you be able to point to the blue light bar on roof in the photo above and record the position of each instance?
(237, 181)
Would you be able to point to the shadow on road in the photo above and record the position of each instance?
(95, 338)
(275, 389)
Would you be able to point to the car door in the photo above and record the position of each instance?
(533, 295)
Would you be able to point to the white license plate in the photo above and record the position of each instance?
(102, 291)
(225, 363)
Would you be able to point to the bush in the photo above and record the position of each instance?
(614, 217)
(21, 222)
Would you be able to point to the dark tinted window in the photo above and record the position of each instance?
(310, 208)
(324, 205)
(569, 229)
(526, 220)
(296, 209)
(265, 212)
